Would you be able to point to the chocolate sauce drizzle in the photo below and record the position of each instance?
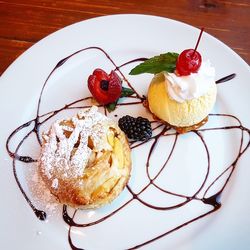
(160, 130)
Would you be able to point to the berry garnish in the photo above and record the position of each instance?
(105, 88)
(138, 129)
(189, 61)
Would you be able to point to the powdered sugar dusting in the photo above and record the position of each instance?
(66, 150)
(55, 183)
(42, 197)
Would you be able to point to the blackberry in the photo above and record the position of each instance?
(138, 129)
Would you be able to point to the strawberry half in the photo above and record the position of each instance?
(105, 88)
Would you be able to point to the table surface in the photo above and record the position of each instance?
(24, 22)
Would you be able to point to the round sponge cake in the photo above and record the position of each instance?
(185, 114)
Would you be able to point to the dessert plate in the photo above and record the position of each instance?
(164, 206)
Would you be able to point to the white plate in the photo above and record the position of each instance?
(126, 37)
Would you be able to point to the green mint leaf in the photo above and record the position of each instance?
(126, 92)
(156, 64)
(111, 106)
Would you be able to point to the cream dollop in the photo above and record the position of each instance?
(183, 88)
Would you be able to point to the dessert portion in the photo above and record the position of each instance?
(183, 90)
(85, 160)
(183, 101)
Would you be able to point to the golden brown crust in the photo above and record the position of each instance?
(103, 178)
(183, 130)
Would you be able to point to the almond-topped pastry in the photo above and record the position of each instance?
(85, 160)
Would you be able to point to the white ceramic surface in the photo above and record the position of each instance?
(126, 37)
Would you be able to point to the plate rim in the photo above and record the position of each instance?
(68, 27)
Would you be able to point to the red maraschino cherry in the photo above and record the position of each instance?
(189, 61)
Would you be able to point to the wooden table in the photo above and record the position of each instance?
(24, 22)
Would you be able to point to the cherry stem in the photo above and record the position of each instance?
(198, 41)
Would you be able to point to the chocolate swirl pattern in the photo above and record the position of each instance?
(202, 194)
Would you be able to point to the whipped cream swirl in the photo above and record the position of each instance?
(183, 88)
